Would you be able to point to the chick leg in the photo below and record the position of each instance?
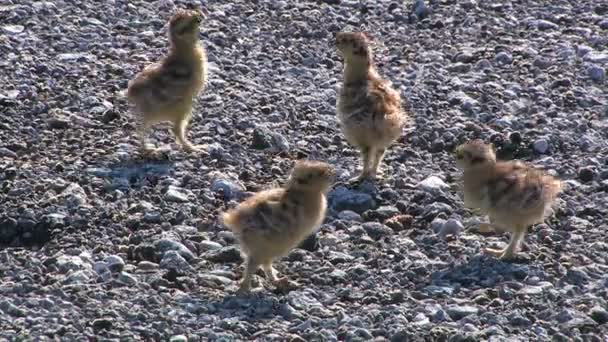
(271, 273)
(509, 252)
(366, 158)
(143, 126)
(179, 129)
(378, 156)
(252, 266)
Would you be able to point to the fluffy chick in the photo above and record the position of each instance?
(272, 222)
(514, 195)
(369, 109)
(165, 91)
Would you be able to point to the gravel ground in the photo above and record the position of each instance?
(98, 242)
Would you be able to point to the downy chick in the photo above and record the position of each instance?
(514, 195)
(165, 91)
(272, 222)
(369, 109)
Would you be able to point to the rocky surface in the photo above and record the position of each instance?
(97, 241)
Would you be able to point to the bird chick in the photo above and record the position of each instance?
(272, 222)
(165, 91)
(514, 195)
(369, 109)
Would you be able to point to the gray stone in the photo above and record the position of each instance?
(225, 254)
(457, 312)
(596, 73)
(433, 183)
(377, 230)
(74, 195)
(230, 189)
(175, 194)
(13, 29)
(503, 58)
(349, 215)
(5, 152)
(207, 245)
(451, 227)
(541, 145)
(126, 279)
(164, 245)
(342, 198)
(115, 263)
(596, 57)
(172, 260)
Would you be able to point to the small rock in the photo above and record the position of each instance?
(102, 323)
(349, 215)
(172, 260)
(597, 74)
(126, 279)
(164, 245)
(214, 281)
(586, 174)
(596, 57)
(437, 224)
(5, 152)
(175, 194)
(420, 9)
(503, 58)
(115, 263)
(342, 198)
(451, 227)
(178, 338)
(59, 123)
(457, 312)
(376, 230)
(599, 314)
(230, 189)
(541, 145)
(225, 254)
(545, 25)
(433, 183)
(207, 245)
(13, 29)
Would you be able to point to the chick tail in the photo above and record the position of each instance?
(230, 220)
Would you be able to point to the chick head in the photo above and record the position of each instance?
(474, 154)
(312, 176)
(184, 25)
(354, 45)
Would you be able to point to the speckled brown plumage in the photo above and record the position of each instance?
(165, 91)
(369, 109)
(272, 222)
(513, 194)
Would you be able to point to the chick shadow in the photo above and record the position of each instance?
(257, 306)
(133, 170)
(483, 271)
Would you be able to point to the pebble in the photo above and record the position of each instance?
(586, 174)
(376, 230)
(172, 260)
(503, 58)
(175, 194)
(451, 227)
(433, 183)
(5, 152)
(230, 189)
(164, 245)
(541, 145)
(342, 198)
(596, 73)
(458, 312)
(114, 263)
